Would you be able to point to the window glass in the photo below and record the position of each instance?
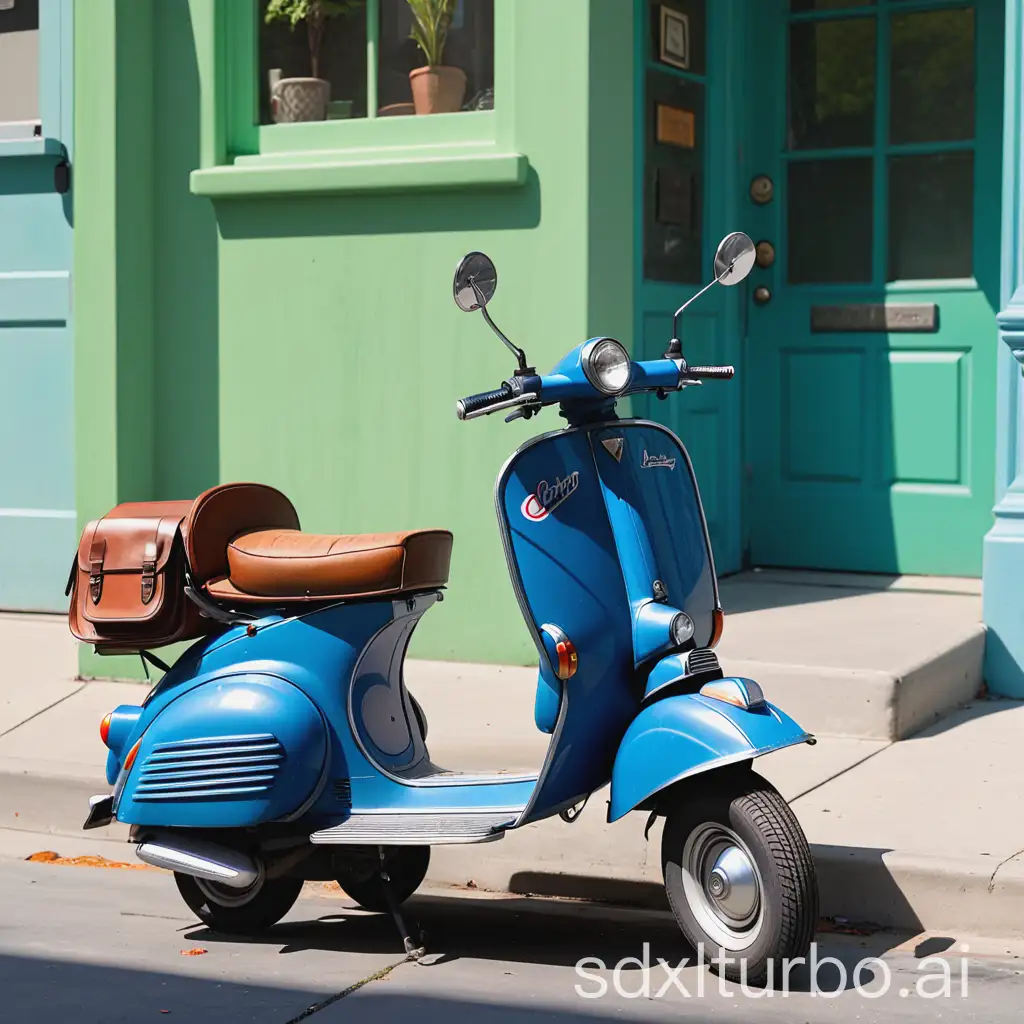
(830, 232)
(319, 68)
(832, 83)
(931, 216)
(467, 60)
(19, 63)
(932, 92)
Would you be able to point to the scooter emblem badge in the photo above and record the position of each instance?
(657, 461)
(613, 446)
(547, 497)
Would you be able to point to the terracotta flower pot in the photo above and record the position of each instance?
(438, 90)
(300, 99)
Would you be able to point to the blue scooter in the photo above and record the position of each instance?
(285, 747)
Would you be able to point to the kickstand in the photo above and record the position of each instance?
(412, 951)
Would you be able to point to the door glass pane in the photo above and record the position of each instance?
(932, 76)
(798, 6)
(931, 216)
(832, 83)
(19, 62)
(830, 221)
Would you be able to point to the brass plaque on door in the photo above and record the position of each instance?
(875, 317)
(676, 126)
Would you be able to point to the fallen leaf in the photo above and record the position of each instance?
(194, 951)
(90, 861)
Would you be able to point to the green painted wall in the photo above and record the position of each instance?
(311, 342)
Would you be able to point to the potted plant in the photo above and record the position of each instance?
(436, 88)
(305, 99)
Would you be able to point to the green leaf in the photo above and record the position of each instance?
(294, 11)
(431, 21)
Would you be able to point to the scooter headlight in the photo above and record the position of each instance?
(607, 366)
(681, 629)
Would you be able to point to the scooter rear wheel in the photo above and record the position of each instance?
(239, 911)
(739, 876)
(406, 867)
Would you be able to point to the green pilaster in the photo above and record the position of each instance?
(114, 251)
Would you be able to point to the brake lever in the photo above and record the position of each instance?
(521, 414)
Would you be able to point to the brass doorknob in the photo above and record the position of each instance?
(765, 254)
(762, 295)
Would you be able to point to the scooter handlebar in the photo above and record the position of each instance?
(711, 372)
(474, 404)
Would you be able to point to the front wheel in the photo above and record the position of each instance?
(739, 876)
(239, 911)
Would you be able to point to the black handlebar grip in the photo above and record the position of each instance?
(474, 403)
(711, 372)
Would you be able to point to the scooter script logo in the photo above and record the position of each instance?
(547, 497)
(657, 461)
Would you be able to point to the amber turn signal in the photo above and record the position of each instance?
(105, 728)
(568, 662)
(717, 625)
(130, 759)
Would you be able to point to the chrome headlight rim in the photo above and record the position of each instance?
(681, 629)
(587, 361)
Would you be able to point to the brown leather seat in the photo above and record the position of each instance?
(284, 564)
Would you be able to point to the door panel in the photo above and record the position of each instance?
(685, 121)
(870, 358)
(37, 501)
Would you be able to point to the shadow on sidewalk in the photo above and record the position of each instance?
(520, 930)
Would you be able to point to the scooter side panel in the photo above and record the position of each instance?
(655, 507)
(687, 734)
(239, 751)
(564, 567)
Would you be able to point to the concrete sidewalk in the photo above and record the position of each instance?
(924, 833)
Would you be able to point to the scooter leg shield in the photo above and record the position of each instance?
(690, 733)
(237, 752)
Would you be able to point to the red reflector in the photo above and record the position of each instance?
(105, 728)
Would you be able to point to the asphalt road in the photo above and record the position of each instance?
(98, 945)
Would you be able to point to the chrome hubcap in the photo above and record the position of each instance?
(723, 886)
(732, 886)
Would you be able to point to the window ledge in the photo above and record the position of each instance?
(31, 147)
(327, 173)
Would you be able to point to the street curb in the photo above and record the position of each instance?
(887, 888)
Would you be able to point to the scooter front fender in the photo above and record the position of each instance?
(688, 734)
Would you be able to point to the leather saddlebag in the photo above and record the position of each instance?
(128, 581)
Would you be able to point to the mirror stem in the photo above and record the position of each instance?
(517, 352)
(674, 345)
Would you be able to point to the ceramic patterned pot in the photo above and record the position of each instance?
(300, 99)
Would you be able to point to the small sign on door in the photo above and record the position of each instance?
(675, 38)
(675, 126)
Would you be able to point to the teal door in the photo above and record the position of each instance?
(685, 127)
(872, 176)
(37, 508)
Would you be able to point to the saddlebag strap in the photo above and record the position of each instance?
(97, 550)
(149, 571)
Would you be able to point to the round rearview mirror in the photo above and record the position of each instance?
(476, 281)
(734, 259)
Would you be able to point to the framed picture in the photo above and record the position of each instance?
(675, 38)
